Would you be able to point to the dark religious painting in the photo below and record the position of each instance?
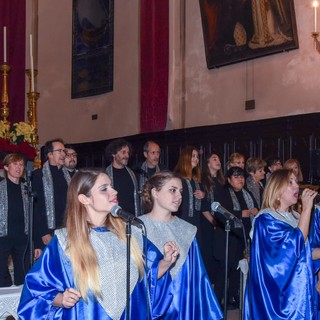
(238, 30)
(92, 47)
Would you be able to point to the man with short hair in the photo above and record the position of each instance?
(50, 185)
(70, 160)
(122, 177)
(14, 217)
(150, 166)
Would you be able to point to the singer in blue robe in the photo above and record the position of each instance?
(280, 283)
(193, 296)
(191, 289)
(52, 273)
(82, 273)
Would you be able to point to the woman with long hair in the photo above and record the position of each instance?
(194, 207)
(212, 177)
(188, 168)
(213, 182)
(294, 164)
(82, 272)
(162, 196)
(280, 283)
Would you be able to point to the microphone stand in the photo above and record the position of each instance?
(227, 229)
(30, 214)
(128, 233)
(145, 254)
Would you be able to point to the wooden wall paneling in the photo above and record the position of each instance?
(292, 136)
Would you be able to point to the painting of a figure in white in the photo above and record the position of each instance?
(268, 16)
(235, 31)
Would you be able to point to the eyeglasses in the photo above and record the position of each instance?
(58, 150)
(69, 155)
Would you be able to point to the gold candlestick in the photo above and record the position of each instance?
(32, 107)
(28, 72)
(32, 114)
(32, 117)
(5, 68)
(315, 36)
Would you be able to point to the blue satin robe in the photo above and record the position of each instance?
(315, 243)
(280, 281)
(193, 296)
(52, 274)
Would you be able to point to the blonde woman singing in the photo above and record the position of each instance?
(82, 272)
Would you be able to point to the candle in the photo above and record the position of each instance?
(31, 65)
(4, 44)
(315, 5)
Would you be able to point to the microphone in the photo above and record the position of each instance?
(251, 217)
(315, 200)
(28, 186)
(118, 212)
(216, 207)
(29, 168)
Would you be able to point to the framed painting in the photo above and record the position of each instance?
(92, 47)
(236, 31)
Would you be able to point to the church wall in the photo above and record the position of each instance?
(284, 84)
(117, 111)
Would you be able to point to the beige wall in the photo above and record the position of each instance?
(284, 84)
(61, 116)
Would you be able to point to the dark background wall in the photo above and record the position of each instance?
(288, 137)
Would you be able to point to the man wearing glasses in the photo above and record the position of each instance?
(50, 185)
(71, 160)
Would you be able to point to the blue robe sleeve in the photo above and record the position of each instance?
(45, 280)
(193, 296)
(315, 243)
(280, 281)
(314, 236)
(160, 294)
(52, 274)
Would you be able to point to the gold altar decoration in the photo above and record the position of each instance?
(21, 136)
(33, 97)
(32, 106)
(315, 36)
(5, 69)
